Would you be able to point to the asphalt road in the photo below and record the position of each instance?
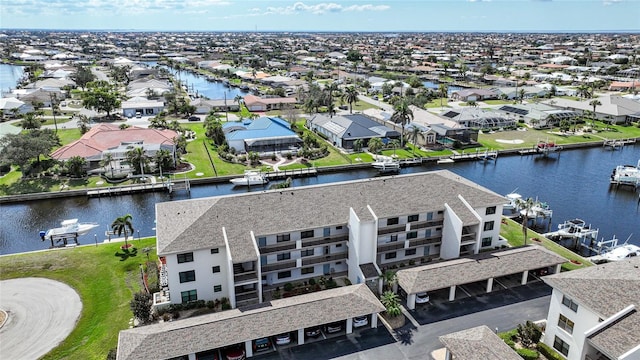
(41, 313)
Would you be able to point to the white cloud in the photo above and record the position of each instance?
(66, 7)
(322, 8)
(610, 2)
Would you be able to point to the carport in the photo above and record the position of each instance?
(481, 267)
(186, 337)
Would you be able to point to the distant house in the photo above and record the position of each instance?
(475, 94)
(538, 115)
(255, 103)
(142, 106)
(205, 106)
(12, 106)
(472, 117)
(108, 138)
(614, 108)
(265, 134)
(593, 312)
(344, 130)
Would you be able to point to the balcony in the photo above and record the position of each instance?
(324, 258)
(164, 275)
(425, 241)
(425, 224)
(281, 246)
(324, 240)
(278, 266)
(248, 275)
(390, 246)
(392, 229)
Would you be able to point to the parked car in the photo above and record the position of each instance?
(422, 298)
(334, 327)
(283, 339)
(261, 344)
(360, 321)
(193, 118)
(138, 114)
(235, 353)
(313, 331)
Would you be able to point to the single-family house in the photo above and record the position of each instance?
(263, 135)
(473, 117)
(343, 130)
(255, 103)
(141, 106)
(205, 106)
(538, 115)
(613, 108)
(475, 94)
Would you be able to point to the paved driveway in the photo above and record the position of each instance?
(41, 313)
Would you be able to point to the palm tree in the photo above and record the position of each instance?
(357, 145)
(402, 114)
(415, 131)
(137, 158)
(350, 96)
(443, 90)
(391, 301)
(521, 95)
(107, 158)
(595, 103)
(525, 207)
(121, 225)
(394, 143)
(389, 279)
(374, 145)
(237, 99)
(330, 89)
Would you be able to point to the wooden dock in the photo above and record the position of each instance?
(294, 173)
(123, 190)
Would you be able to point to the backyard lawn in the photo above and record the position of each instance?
(104, 282)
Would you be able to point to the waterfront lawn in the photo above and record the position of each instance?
(436, 103)
(512, 231)
(105, 285)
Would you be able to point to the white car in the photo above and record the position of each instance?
(422, 298)
(283, 339)
(360, 321)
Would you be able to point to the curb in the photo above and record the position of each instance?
(4, 320)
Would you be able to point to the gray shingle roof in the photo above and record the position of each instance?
(606, 289)
(205, 332)
(197, 224)
(478, 343)
(476, 268)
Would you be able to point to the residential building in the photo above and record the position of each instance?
(478, 343)
(140, 106)
(205, 106)
(255, 103)
(472, 117)
(263, 135)
(344, 130)
(613, 108)
(538, 115)
(593, 313)
(475, 94)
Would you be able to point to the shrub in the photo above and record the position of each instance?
(141, 306)
(528, 354)
(529, 334)
(331, 284)
(312, 281)
(288, 287)
(210, 304)
(548, 352)
(289, 156)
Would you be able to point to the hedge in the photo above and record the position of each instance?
(528, 354)
(548, 352)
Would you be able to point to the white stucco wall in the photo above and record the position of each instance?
(451, 233)
(203, 262)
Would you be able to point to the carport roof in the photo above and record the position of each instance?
(478, 343)
(200, 333)
(476, 268)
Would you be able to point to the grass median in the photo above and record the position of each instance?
(104, 281)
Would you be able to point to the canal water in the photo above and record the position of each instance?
(9, 77)
(574, 183)
(200, 86)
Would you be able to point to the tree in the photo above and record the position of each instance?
(75, 166)
(525, 207)
(391, 301)
(83, 123)
(122, 225)
(443, 91)
(213, 129)
(82, 76)
(374, 145)
(30, 122)
(138, 159)
(330, 89)
(521, 93)
(350, 96)
(529, 334)
(101, 96)
(107, 159)
(415, 132)
(395, 144)
(163, 160)
(141, 306)
(121, 74)
(402, 114)
(354, 55)
(237, 99)
(595, 103)
(389, 279)
(20, 148)
(357, 145)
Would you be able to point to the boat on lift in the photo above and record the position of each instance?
(250, 178)
(626, 175)
(513, 201)
(70, 227)
(386, 165)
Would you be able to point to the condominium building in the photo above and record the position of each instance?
(242, 246)
(593, 313)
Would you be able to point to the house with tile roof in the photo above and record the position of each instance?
(594, 312)
(262, 135)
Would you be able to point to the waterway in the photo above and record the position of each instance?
(574, 183)
(200, 86)
(9, 77)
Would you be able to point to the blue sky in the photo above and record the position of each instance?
(361, 15)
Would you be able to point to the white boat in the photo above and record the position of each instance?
(69, 228)
(539, 209)
(387, 165)
(445, 161)
(618, 253)
(626, 175)
(573, 227)
(250, 178)
(513, 201)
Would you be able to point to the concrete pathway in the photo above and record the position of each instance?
(41, 313)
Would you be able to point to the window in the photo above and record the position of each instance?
(569, 303)
(217, 288)
(392, 221)
(306, 234)
(215, 269)
(429, 216)
(186, 276)
(338, 245)
(488, 226)
(284, 274)
(284, 237)
(426, 250)
(561, 346)
(189, 295)
(412, 218)
(326, 231)
(215, 251)
(262, 241)
(427, 233)
(565, 324)
(284, 256)
(339, 227)
(308, 252)
(412, 235)
(391, 255)
(394, 238)
(441, 212)
(409, 252)
(487, 241)
(186, 257)
(490, 210)
(307, 270)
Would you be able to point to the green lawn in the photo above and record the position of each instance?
(436, 103)
(497, 102)
(105, 285)
(512, 231)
